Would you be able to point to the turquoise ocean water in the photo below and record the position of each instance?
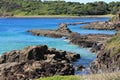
(13, 35)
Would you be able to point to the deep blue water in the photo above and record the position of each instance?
(13, 35)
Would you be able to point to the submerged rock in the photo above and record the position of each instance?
(35, 62)
(80, 67)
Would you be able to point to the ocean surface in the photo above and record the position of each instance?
(13, 36)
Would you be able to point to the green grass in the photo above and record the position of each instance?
(61, 78)
(113, 45)
(105, 76)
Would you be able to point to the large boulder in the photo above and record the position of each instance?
(28, 53)
(34, 62)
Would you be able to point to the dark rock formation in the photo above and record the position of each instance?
(62, 31)
(63, 28)
(90, 40)
(33, 70)
(34, 62)
(80, 67)
(108, 58)
(96, 47)
(75, 38)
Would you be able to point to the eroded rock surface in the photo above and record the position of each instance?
(62, 31)
(90, 40)
(108, 58)
(34, 62)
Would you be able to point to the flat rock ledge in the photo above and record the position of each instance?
(113, 24)
(94, 41)
(62, 31)
(108, 25)
(34, 62)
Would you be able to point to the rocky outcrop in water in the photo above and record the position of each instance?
(62, 31)
(113, 24)
(108, 58)
(90, 40)
(63, 28)
(103, 26)
(34, 62)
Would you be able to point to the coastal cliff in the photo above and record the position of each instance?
(108, 58)
(34, 62)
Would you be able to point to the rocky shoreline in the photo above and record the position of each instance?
(103, 63)
(86, 41)
(62, 31)
(108, 58)
(40, 61)
(103, 26)
(113, 24)
(36, 61)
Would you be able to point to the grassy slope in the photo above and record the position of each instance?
(108, 76)
(113, 45)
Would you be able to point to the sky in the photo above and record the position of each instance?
(85, 1)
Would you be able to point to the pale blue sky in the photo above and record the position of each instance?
(85, 1)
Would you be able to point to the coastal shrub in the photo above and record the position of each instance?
(38, 7)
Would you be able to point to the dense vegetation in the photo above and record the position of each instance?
(37, 7)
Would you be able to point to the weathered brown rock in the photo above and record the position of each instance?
(108, 57)
(63, 28)
(104, 63)
(35, 62)
(89, 40)
(96, 47)
(33, 70)
(28, 53)
(62, 31)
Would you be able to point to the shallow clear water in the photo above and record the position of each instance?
(13, 35)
